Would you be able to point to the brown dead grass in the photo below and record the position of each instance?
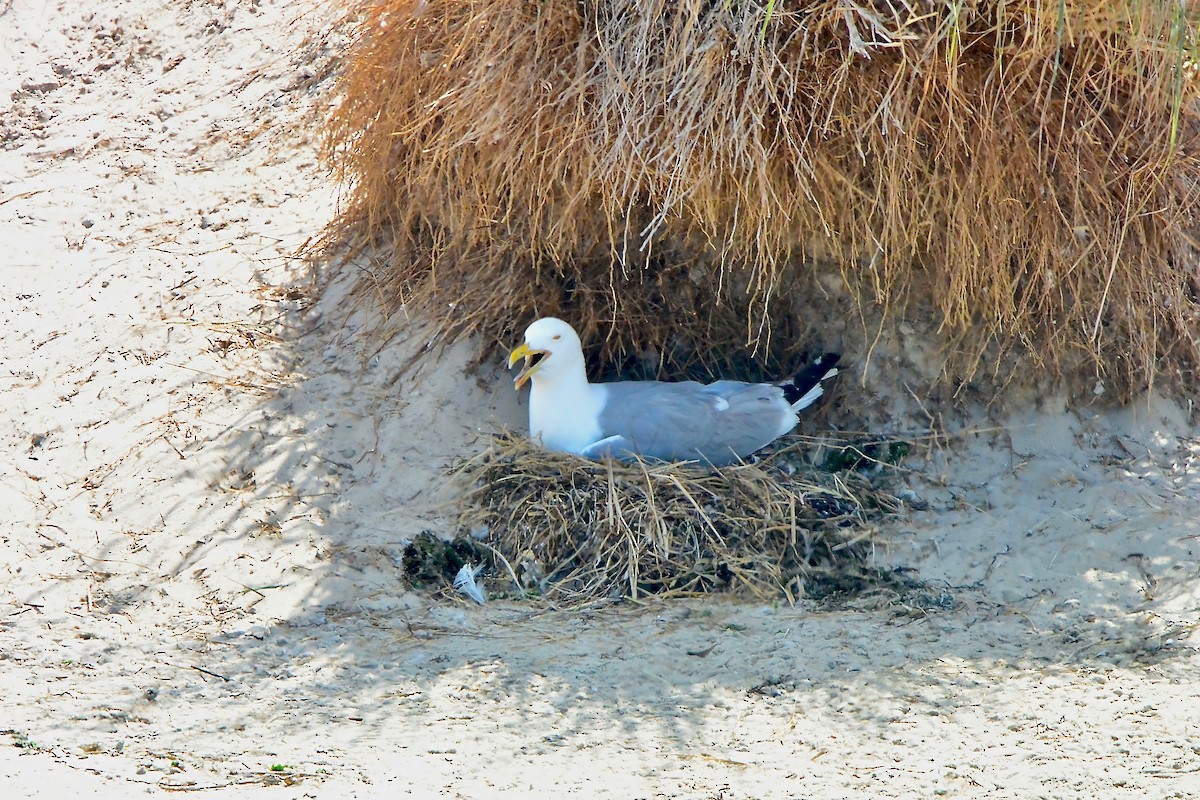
(667, 174)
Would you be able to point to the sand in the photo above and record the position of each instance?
(209, 474)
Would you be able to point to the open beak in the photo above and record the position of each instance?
(533, 359)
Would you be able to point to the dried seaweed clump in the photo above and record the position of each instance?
(593, 530)
(1021, 176)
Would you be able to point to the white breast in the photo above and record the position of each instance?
(565, 418)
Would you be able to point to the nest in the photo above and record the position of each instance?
(568, 526)
(1019, 176)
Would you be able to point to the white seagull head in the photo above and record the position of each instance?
(551, 350)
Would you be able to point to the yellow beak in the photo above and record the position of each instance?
(528, 353)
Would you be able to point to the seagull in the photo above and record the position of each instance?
(717, 424)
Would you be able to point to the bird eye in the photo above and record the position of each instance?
(556, 338)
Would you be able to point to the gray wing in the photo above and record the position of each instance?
(717, 424)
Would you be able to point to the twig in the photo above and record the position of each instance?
(20, 195)
(214, 674)
(259, 590)
(173, 447)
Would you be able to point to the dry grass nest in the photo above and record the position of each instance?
(689, 177)
(562, 526)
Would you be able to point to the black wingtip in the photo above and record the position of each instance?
(804, 380)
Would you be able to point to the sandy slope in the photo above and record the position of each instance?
(208, 477)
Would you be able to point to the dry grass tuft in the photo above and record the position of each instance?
(1024, 173)
(567, 526)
